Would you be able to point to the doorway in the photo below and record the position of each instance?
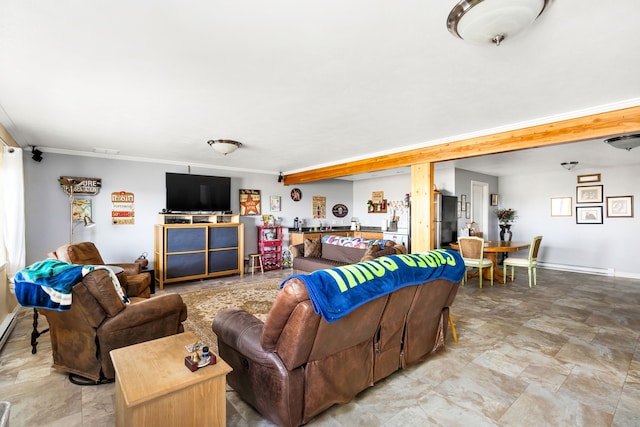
(480, 206)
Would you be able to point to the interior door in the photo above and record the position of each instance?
(480, 206)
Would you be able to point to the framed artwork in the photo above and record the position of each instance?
(589, 194)
(296, 195)
(275, 203)
(494, 200)
(249, 202)
(81, 208)
(620, 207)
(319, 207)
(339, 210)
(583, 179)
(588, 214)
(561, 206)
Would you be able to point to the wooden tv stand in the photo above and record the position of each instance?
(197, 246)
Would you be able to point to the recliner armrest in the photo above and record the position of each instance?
(241, 331)
(129, 268)
(146, 313)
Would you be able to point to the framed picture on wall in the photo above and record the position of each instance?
(588, 214)
(620, 207)
(561, 206)
(275, 203)
(589, 194)
(583, 179)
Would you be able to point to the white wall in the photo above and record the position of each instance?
(394, 187)
(48, 212)
(607, 248)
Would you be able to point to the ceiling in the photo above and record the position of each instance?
(305, 84)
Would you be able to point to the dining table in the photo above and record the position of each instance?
(491, 250)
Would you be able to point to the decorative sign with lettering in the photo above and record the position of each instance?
(122, 210)
(250, 202)
(81, 186)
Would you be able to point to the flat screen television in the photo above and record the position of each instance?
(198, 193)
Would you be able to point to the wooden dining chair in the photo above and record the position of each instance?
(472, 252)
(531, 263)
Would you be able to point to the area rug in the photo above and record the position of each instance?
(203, 305)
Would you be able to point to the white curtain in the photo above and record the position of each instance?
(12, 206)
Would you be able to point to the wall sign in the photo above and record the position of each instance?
(122, 210)
(339, 210)
(249, 202)
(319, 207)
(81, 186)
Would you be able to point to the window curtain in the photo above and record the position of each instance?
(12, 212)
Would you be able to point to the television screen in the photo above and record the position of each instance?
(198, 193)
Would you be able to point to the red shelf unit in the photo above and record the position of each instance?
(270, 246)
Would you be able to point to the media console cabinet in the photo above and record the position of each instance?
(189, 247)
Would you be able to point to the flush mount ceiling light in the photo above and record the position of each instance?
(224, 146)
(569, 165)
(492, 21)
(625, 142)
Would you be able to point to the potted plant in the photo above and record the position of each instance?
(505, 218)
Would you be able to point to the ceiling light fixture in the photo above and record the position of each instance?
(492, 21)
(224, 146)
(569, 165)
(280, 177)
(625, 142)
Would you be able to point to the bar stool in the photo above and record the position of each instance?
(252, 262)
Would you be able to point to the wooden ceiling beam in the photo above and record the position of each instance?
(601, 125)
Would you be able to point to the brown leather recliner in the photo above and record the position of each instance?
(295, 365)
(134, 283)
(98, 322)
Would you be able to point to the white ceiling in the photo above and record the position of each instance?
(305, 84)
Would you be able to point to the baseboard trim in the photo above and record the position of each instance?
(578, 269)
(7, 326)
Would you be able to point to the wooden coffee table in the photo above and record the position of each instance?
(155, 388)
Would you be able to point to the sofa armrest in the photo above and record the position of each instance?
(241, 331)
(297, 250)
(163, 312)
(130, 268)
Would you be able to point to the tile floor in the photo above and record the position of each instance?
(562, 354)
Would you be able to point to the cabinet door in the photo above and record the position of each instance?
(185, 265)
(224, 260)
(223, 237)
(186, 239)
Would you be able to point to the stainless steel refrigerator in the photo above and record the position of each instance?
(446, 220)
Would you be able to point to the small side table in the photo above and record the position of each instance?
(155, 388)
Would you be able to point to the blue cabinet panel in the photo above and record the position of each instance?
(223, 260)
(186, 239)
(182, 265)
(223, 237)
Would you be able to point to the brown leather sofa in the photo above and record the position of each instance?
(98, 322)
(135, 283)
(295, 365)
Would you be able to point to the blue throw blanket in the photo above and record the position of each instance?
(47, 284)
(335, 292)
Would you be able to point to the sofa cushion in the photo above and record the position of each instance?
(344, 254)
(312, 248)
